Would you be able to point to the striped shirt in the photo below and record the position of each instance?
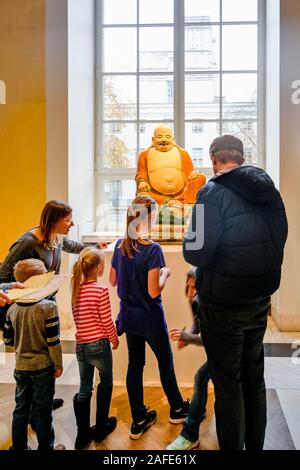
(92, 314)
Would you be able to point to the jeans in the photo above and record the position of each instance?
(90, 355)
(160, 345)
(233, 340)
(197, 407)
(34, 389)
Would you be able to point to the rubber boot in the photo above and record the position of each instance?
(82, 411)
(104, 424)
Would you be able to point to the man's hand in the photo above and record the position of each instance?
(58, 373)
(4, 299)
(115, 345)
(17, 285)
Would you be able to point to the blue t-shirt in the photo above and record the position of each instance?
(139, 313)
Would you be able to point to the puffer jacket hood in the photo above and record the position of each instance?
(250, 182)
(240, 253)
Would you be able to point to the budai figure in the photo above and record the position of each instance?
(165, 171)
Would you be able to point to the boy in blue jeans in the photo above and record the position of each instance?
(33, 331)
(189, 437)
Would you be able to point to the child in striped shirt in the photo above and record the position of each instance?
(95, 332)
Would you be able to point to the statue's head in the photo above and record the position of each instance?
(163, 139)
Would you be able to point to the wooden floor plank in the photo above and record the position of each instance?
(158, 436)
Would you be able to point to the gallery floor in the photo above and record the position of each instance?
(282, 351)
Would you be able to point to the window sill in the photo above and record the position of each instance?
(112, 237)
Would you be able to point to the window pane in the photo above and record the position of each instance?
(119, 50)
(202, 10)
(156, 11)
(119, 145)
(197, 140)
(197, 157)
(239, 96)
(202, 96)
(119, 12)
(156, 97)
(147, 132)
(239, 10)
(202, 48)
(118, 194)
(156, 50)
(239, 47)
(119, 97)
(247, 132)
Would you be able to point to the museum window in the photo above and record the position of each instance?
(197, 157)
(197, 128)
(196, 66)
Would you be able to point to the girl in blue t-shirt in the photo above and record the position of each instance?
(139, 272)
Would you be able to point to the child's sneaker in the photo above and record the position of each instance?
(177, 417)
(181, 443)
(138, 429)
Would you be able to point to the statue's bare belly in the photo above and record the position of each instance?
(165, 171)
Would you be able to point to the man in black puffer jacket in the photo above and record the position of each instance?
(244, 230)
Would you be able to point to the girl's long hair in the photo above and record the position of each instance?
(140, 209)
(51, 214)
(90, 258)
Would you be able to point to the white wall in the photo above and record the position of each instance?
(288, 314)
(70, 117)
(81, 131)
(272, 101)
(70, 105)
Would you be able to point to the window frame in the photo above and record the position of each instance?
(178, 84)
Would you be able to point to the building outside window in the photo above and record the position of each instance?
(197, 156)
(191, 65)
(197, 128)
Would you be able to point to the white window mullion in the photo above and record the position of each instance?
(179, 75)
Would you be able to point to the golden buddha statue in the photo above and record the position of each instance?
(165, 172)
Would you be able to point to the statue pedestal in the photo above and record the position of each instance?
(171, 224)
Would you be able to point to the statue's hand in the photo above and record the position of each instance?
(193, 175)
(174, 203)
(144, 187)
